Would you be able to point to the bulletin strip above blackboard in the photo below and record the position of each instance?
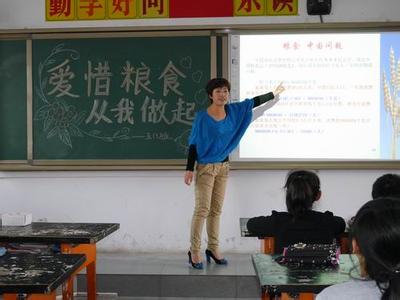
(106, 99)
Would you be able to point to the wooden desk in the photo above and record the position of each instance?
(73, 238)
(36, 276)
(304, 281)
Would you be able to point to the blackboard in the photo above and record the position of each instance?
(13, 100)
(117, 98)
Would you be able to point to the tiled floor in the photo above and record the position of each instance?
(170, 277)
(170, 264)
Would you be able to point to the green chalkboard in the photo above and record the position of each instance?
(13, 100)
(117, 98)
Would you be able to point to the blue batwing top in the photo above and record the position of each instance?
(215, 140)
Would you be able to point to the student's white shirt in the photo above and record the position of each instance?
(352, 290)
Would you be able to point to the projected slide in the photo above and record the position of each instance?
(341, 100)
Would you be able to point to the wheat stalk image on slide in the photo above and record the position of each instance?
(391, 91)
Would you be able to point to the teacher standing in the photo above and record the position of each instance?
(215, 133)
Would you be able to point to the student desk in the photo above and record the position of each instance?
(304, 281)
(72, 237)
(36, 276)
(268, 242)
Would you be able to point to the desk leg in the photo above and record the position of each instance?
(301, 296)
(267, 245)
(344, 245)
(68, 289)
(42, 296)
(265, 296)
(90, 264)
(91, 280)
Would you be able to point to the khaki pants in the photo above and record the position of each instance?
(210, 185)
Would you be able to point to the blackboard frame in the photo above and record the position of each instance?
(31, 165)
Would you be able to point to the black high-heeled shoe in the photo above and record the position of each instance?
(218, 261)
(198, 266)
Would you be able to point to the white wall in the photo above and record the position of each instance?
(154, 207)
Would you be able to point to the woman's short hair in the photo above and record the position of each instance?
(217, 83)
(376, 229)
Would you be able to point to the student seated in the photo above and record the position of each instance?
(388, 185)
(375, 235)
(300, 223)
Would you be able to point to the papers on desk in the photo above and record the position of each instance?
(29, 248)
(16, 219)
(243, 227)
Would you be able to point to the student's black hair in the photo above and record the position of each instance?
(376, 229)
(302, 189)
(217, 83)
(387, 185)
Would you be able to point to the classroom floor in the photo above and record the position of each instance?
(170, 264)
(169, 277)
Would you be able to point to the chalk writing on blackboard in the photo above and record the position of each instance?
(68, 110)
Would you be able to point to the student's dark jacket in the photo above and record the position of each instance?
(311, 227)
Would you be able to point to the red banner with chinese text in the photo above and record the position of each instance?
(69, 10)
(199, 9)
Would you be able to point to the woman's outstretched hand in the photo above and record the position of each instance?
(279, 89)
(188, 177)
